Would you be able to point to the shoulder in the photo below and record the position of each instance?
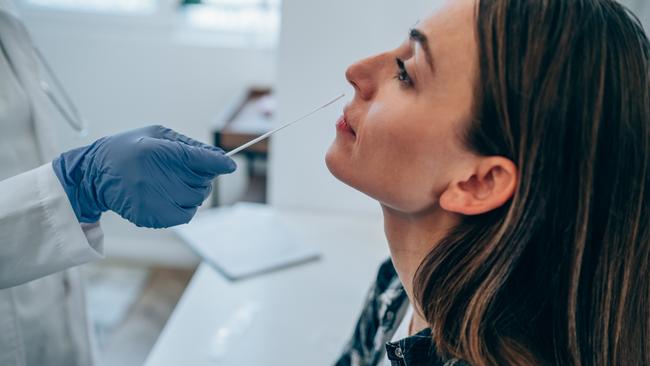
(381, 314)
(9, 6)
(377, 320)
(386, 274)
(386, 297)
(13, 32)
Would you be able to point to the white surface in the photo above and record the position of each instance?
(126, 242)
(245, 240)
(298, 316)
(318, 40)
(110, 293)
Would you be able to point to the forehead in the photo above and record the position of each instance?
(451, 31)
(451, 22)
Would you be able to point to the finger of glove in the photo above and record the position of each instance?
(172, 216)
(162, 203)
(207, 162)
(163, 168)
(184, 186)
(171, 135)
(154, 131)
(188, 197)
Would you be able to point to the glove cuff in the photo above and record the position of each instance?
(68, 168)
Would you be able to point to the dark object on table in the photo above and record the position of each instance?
(248, 117)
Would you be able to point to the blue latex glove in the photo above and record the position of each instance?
(152, 176)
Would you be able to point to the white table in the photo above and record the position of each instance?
(296, 316)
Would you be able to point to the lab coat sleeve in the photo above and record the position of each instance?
(39, 232)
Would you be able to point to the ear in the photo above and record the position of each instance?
(491, 183)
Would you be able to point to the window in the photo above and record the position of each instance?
(210, 23)
(110, 6)
(238, 16)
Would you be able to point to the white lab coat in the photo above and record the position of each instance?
(42, 306)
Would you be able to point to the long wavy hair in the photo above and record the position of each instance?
(560, 275)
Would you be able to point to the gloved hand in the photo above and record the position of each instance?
(152, 176)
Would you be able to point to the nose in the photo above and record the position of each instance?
(362, 75)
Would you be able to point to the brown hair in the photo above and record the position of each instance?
(560, 275)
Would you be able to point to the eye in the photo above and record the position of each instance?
(403, 75)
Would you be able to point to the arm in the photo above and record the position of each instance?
(153, 177)
(39, 232)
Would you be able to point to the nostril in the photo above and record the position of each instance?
(362, 76)
(357, 88)
(361, 83)
(349, 75)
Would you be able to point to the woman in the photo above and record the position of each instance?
(508, 142)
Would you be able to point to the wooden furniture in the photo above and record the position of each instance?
(248, 117)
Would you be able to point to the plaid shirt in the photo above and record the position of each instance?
(382, 313)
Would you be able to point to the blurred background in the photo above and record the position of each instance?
(221, 71)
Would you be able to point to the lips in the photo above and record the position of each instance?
(343, 126)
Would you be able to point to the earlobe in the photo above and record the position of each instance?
(491, 183)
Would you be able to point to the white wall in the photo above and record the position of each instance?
(319, 40)
(642, 10)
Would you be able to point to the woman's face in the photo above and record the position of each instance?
(400, 139)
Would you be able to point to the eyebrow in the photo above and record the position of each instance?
(419, 37)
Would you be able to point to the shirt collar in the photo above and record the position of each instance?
(417, 349)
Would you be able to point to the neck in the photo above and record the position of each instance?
(410, 238)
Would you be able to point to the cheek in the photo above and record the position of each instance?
(401, 142)
(403, 164)
(391, 161)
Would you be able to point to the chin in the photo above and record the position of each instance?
(334, 162)
(340, 165)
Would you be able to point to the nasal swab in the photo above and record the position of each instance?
(264, 136)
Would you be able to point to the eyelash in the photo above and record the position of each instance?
(403, 75)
